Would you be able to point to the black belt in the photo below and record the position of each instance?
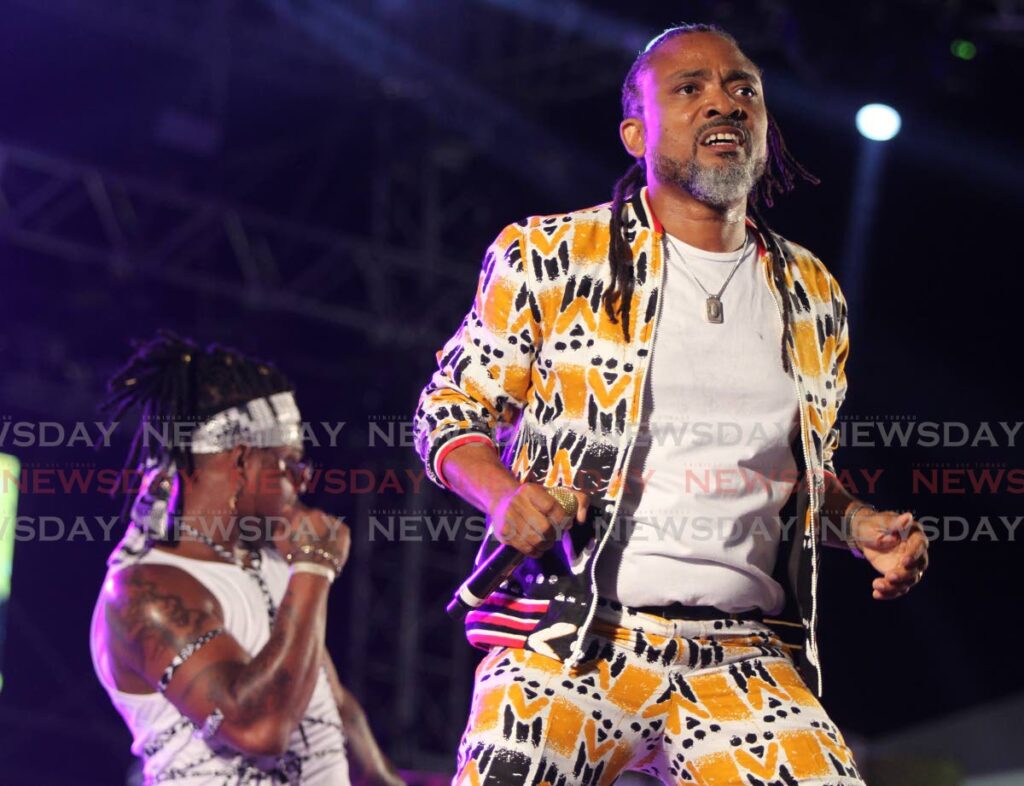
(678, 611)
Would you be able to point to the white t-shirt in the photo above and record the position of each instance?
(712, 465)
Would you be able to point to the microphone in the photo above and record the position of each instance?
(485, 578)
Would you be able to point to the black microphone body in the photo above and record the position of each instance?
(484, 580)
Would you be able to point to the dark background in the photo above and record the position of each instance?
(316, 182)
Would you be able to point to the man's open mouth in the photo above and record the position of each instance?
(723, 138)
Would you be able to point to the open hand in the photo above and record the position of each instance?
(896, 547)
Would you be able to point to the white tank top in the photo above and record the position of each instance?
(162, 736)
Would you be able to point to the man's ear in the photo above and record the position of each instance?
(633, 136)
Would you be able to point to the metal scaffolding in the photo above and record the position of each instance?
(137, 227)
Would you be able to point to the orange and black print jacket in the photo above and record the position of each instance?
(538, 357)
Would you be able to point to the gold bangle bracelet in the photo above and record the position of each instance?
(318, 553)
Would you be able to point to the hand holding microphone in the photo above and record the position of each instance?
(532, 518)
(528, 521)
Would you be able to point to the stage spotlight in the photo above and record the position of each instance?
(878, 122)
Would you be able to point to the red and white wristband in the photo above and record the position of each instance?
(449, 446)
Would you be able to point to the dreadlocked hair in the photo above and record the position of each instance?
(620, 251)
(171, 379)
(782, 172)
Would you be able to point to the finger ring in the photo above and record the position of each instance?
(566, 499)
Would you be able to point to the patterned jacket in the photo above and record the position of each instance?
(538, 359)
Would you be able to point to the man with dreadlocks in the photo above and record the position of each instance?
(209, 630)
(678, 367)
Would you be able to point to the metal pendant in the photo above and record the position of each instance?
(713, 312)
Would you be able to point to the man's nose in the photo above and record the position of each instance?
(721, 102)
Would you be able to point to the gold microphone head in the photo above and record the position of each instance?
(565, 498)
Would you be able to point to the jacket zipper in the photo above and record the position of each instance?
(812, 648)
(577, 648)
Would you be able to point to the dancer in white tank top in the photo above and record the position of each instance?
(208, 634)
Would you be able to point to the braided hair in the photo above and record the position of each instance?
(172, 379)
(780, 177)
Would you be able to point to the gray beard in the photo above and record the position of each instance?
(717, 186)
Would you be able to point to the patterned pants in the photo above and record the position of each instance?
(710, 703)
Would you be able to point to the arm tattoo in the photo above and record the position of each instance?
(150, 619)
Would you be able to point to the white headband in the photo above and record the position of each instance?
(268, 422)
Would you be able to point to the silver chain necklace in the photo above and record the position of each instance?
(253, 570)
(713, 311)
